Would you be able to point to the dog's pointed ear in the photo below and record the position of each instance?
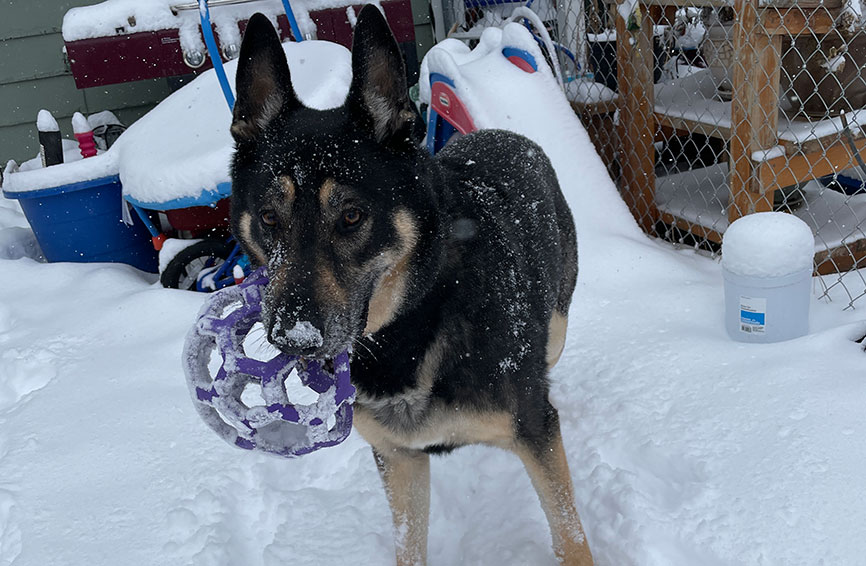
(379, 97)
(263, 82)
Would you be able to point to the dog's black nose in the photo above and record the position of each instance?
(301, 339)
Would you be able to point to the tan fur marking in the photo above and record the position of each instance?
(556, 338)
(442, 427)
(325, 192)
(328, 289)
(406, 475)
(429, 367)
(288, 187)
(388, 294)
(406, 115)
(246, 235)
(242, 129)
(552, 482)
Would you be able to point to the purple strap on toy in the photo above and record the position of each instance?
(278, 427)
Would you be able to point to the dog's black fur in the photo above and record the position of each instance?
(451, 276)
(502, 270)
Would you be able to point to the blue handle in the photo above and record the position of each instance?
(296, 31)
(214, 53)
(213, 50)
(145, 219)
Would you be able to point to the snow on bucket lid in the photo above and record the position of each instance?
(768, 244)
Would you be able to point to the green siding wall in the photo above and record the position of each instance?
(34, 74)
(423, 27)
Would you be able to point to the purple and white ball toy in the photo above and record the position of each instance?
(277, 427)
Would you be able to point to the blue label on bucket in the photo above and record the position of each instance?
(753, 315)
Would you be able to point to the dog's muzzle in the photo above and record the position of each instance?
(302, 338)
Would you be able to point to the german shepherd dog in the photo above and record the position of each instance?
(450, 276)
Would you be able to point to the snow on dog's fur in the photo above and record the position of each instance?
(450, 276)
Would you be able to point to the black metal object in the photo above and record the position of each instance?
(602, 58)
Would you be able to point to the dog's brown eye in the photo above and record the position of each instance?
(351, 218)
(269, 218)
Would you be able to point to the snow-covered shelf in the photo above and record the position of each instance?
(700, 198)
(690, 104)
(768, 149)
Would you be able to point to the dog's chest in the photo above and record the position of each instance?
(442, 427)
(417, 418)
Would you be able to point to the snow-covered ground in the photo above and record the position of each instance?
(685, 448)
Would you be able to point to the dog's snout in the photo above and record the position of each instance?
(301, 338)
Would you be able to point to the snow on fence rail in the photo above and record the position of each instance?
(711, 110)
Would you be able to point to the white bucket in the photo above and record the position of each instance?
(767, 265)
(767, 309)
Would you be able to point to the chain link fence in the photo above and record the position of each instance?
(705, 111)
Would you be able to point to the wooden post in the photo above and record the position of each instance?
(754, 108)
(634, 54)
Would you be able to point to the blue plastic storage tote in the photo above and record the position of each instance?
(83, 222)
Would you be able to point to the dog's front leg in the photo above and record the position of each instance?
(545, 461)
(406, 475)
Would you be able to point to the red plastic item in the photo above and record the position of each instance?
(158, 241)
(448, 105)
(238, 274)
(86, 144)
(521, 64)
(197, 218)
